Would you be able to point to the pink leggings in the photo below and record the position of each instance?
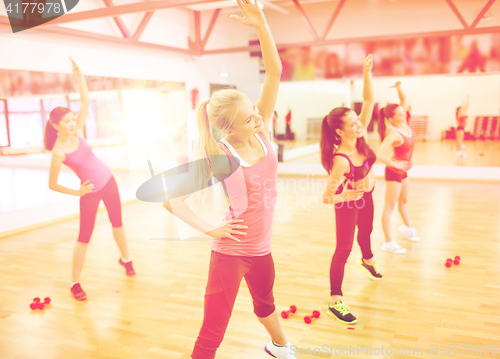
(90, 203)
(224, 278)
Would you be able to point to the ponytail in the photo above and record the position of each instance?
(330, 140)
(50, 136)
(381, 124)
(386, 112)
(51, 133)
(219, 112)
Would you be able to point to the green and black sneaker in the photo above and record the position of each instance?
(341, 312)
(369, 269)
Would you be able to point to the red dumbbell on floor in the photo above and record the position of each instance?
(286, 313)
(308, 318)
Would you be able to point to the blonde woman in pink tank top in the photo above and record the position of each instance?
(400, 138)
(242, 243)
(64, 136)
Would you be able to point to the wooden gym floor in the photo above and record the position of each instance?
(419, 303)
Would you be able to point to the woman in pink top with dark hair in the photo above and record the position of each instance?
(400, 138)
(64, 136)
(242, 242)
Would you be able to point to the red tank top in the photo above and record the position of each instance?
(462, 121)
(404, 151)
(87, 166)
(252, 192)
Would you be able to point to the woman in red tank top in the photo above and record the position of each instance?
(64, 136)
(461, 115)
(400, 138)
(242, 242)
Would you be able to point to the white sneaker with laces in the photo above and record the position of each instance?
(275, 351)
(393, 247)
(409, 232)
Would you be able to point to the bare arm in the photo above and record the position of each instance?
(391, 140)
(178, 207)
(340, 166)
(403, 101)
(368, 98)
(465, 106)
(84, 99)
(253, 16)
(58, 158)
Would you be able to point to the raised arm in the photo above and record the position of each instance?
(254, 17)
(391, 139)
(465, 106)
(84, 99)
(403, 101)
(368, 98)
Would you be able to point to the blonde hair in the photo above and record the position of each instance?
(220, 112)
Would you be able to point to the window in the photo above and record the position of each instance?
(25, 122)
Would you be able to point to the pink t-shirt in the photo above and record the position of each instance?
(252, 192)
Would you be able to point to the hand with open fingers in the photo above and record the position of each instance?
(252, 13)
(351, 194)
(396, 85)
(85, 188)
(401, 165)
(76, 69)
(228, 229)
(368, 63)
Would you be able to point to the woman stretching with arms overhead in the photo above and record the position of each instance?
(64, 136)
(399, 137)
(242, 244)
(348, 159)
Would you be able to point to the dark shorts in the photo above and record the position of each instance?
(393, 176)
(460, 128)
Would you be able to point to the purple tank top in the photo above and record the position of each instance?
(87, 166)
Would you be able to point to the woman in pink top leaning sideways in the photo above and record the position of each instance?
(242, 245)
(64, 136)
(399, 138)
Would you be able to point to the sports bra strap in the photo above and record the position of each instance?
(346, 157)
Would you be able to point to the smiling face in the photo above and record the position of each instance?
(67, 125)
(399, 116)
(248, 121)
(352, 126)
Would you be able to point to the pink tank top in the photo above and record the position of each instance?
(404, 151)
(87, 166)
(252, 192)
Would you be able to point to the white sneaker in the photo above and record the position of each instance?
(393, 247)
(410, 233)
(459, 153)
(284, 352)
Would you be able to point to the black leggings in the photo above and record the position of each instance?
(347, 216)
(89, 205)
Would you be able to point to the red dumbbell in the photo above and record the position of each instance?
(46, 300)
(36, 300)
(456, 262)
(40, 305)
(34, 306)
(457, 257)
(286, 313)
(308, 318)
(449, 261)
